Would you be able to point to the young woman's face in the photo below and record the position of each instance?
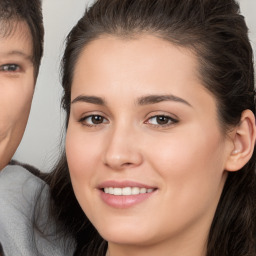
(144, 146)
(16, 88)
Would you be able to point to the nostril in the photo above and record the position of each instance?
(127, 164)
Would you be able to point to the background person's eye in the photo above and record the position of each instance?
(161, 120)
(10, 67)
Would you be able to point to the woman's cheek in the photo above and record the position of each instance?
(81, 152)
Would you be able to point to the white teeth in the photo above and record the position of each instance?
(143, 190)
(111, 191)
(127, 191)
(135, 191)
(117, 191)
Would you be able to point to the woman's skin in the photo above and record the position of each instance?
(142, 120)
(16, 88)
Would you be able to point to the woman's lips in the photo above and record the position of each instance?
(124, 194)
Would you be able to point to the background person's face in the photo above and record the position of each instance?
(142, 120)
(16, 88)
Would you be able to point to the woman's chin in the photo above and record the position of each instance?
(125, 237)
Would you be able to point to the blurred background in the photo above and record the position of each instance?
(41, 143)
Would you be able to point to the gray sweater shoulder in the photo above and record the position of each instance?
(26, 227)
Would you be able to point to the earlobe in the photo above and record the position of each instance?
(244, 135)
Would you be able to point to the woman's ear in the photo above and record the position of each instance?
(243, 138)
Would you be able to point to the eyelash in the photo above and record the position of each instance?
(83, 120)
(170, 121)
(10, 68)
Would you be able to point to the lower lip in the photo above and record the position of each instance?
(124, 201)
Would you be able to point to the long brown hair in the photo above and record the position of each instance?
(216, 32)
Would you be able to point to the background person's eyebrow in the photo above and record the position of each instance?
(20, 53)
(153, 99)
(89, 99)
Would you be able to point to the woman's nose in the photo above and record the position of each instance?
(122, 150)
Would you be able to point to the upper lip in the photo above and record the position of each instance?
(123, 184)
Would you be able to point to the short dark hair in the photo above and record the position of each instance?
(217, 34)
(29, 11)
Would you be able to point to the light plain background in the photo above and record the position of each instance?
(42, 140)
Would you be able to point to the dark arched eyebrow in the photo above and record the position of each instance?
(145, 100)
(89, 99)
(153, 99)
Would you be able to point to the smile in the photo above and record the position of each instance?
(127, 191)
(125, 194)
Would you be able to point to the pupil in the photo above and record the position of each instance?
(162, 120)
(97, 119)
(10, 68)
(13, 67)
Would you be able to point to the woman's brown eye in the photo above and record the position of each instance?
(93, 120)
(97, 119)
(162, 120)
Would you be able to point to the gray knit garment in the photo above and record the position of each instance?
(25, 226)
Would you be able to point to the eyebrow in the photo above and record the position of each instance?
(153, 99)
(18, 53)
(89, 99)
(145, 100)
